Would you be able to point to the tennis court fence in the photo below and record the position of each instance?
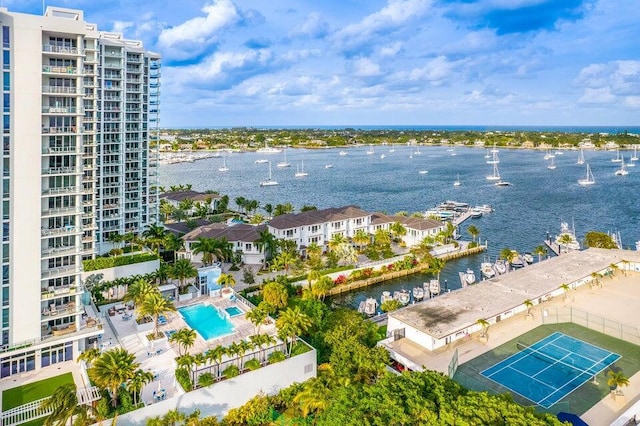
(560, 314)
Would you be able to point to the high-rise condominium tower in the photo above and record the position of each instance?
(79, 162)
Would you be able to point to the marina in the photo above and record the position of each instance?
(525, 215)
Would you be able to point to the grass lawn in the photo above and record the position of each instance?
(20, 395)
(580, 400)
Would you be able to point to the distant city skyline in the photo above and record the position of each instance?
(395, 62)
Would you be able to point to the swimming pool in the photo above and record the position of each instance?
(206, 320)
(233, 311)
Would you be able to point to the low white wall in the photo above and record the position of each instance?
(219, 398)
(111, 274)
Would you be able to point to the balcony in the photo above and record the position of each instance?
(51, 292)
(52, 48)
(60, 150)
(61, 110)
(62, 171)
(60, 90)
(58, 130)
(60, 190)
(59, 251)
(61, 271)
(66, 309)
(61, 231)
(48, 69)
(58, 211)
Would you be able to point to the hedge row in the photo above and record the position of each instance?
(111, 262)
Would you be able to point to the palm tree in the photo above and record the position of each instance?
(216, 355)
(226, 280)
(64, 405)
(113, 368)
(181, 270)
(260, 340)
(617, 379)
(565, 239)
(565, 288)
(139, 290)
(89, 355)
(155, 236)
(613, 268)
(528, 304)
(321, 287)
(266, 244)
(268, 208)
(173, 243)
(314, 397)
(362, 238)
(437, 265)
(206, 246)
(244, 347)
(283, 261)
(166, 209)
(506, 254)
(335, 241)
(155, 305)
(291, 323)
(257, 316)
(474, 232)
(382, 238)
(595, 277)
(240, 202)
(485, 327)
(233, 350)
(185, 338)
(398, 230)
(115, 238)
(282, 209)
(540, 251)
(626, 264)
(137, 382)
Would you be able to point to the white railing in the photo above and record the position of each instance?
(59, 89)
(61, 49)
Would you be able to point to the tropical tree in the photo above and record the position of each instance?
(212, 249)
(617, 379)
(314, 254)
(292, 323)
(528, 304)
(268, 208)
(362, 238)
(382, 238)
(390, 305)
(540, 251)
(185, 338)
(166, 209)
(314, 398)
(257, 316)
(595, 278)
(155, 236)
(275, 295)
(64, 405)
(182, 270)
(261, 341)
(173, 243)
(613, 269)
(485, 327)
(336, 240)
(216, 355)
(565, 288)
(240, 202)
(266, 244)
(565, 239)
(137, 382)
(283, 261)
(473, 231)
(139, 290)
(282, 209)
(113, 368)
(599, 239)
(257, 219)
(178, 214)
(186, 205)
(155, 305)
(398, 230)
(226, 280)
(436, 265)
(116, 239)
(321, 287)
(89, 355)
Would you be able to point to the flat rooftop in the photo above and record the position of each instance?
(451, 312)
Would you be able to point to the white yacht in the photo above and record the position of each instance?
(566, 239)
(343, 153)
(269, 181)
(268, 150)
(487, 271)
(418, 293)
(386, 296)
(261, 161)
(457, 181)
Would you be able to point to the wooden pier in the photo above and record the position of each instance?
(555, 247)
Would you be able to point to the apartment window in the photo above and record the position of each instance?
(6, 59)
(5, 37)
(6, 81)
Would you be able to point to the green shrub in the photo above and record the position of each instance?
(205, 379)
(183, 377)
(299, 348)
(276, 356)
(111, 262)
(252, 364)
(231, 371)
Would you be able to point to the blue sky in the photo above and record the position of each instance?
(393, 62)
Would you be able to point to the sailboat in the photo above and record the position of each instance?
(622, 171)
(549, 155)
(487, 155)
(496, 174)
(457, 181)
(224, 167)
(269, 181)
(494, 159)
(580, 157)
(393, 148)
(417, 152)
(370, 151)
(300, 170)
(284, 163)
(588, 179)
(552, 166)
(617, 159)
(494, 149)
(635, 153)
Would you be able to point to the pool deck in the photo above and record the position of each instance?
(618, 299)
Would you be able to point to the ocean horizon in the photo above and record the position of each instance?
(612, 129)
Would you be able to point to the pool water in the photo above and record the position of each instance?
(233, 311)
(206, 320)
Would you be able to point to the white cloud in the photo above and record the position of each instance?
(121, 26)
(606, 83)
(365, 67)
(314, 26)
(391, 49)
(597, 96)
(194, 36)
(434, 71)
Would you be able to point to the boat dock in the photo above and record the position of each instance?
(459, 219)
(555, 247)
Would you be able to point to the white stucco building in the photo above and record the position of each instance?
(80, 107)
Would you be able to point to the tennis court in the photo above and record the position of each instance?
(551, 368)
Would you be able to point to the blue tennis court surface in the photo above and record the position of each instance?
(551, 368)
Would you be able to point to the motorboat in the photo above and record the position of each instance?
(268, 150)
(328, 166)
(423, 172)
(433, 287)
(516, 261)
(418, 293)
(369, 307)
(566, 239)
(487, 271)
(467, 278)
(342, 153)
(502, 183)
(386, 296)
(403, 296)
(261, 161)
(382, 156)
(500, 266)
(485, 208)
(475, 213)
(528, 257)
